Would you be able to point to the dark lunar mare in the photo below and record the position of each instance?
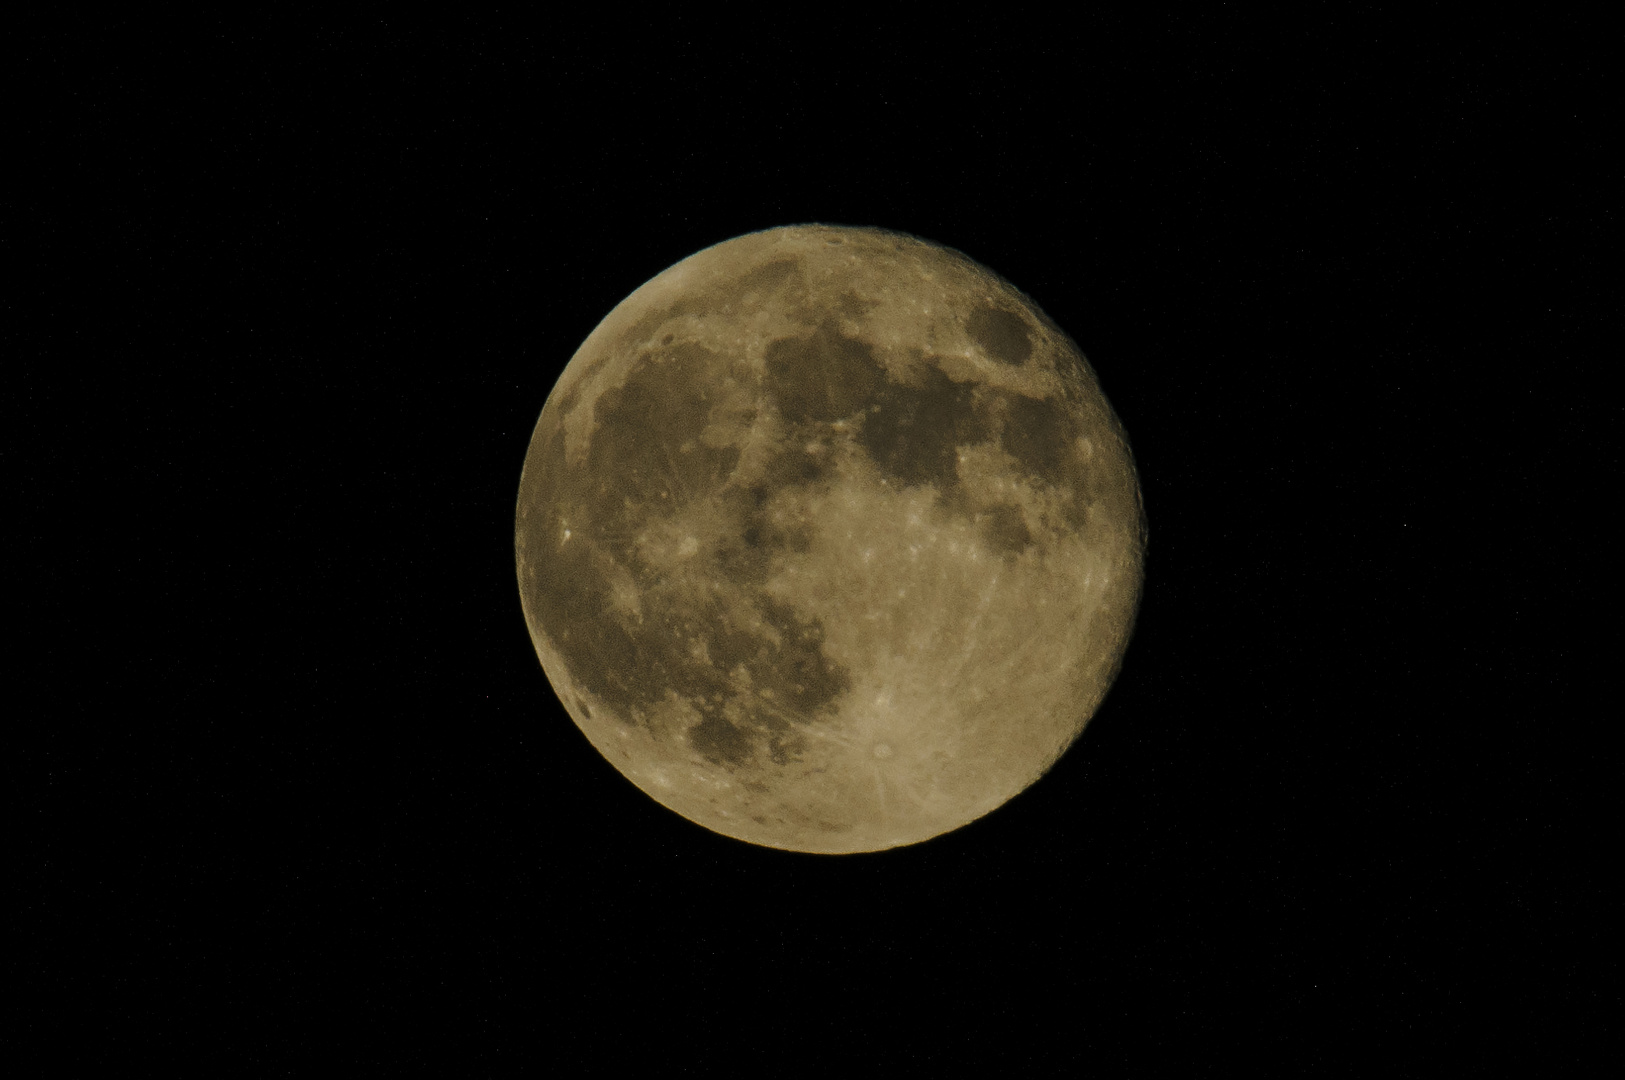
(643, 463)
(1003, 335)
(821, 377)
(913, 433)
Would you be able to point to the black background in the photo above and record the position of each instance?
(292, 788)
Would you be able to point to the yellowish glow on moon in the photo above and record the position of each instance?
(828, 539)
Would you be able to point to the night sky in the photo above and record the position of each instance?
(290, 786)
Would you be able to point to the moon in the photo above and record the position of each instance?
(828, 539)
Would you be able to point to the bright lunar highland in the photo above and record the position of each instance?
(828, 539)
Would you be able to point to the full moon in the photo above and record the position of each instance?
(828, 539)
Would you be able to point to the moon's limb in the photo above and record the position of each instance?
(828, 539)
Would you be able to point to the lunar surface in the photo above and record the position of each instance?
(828, 539)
